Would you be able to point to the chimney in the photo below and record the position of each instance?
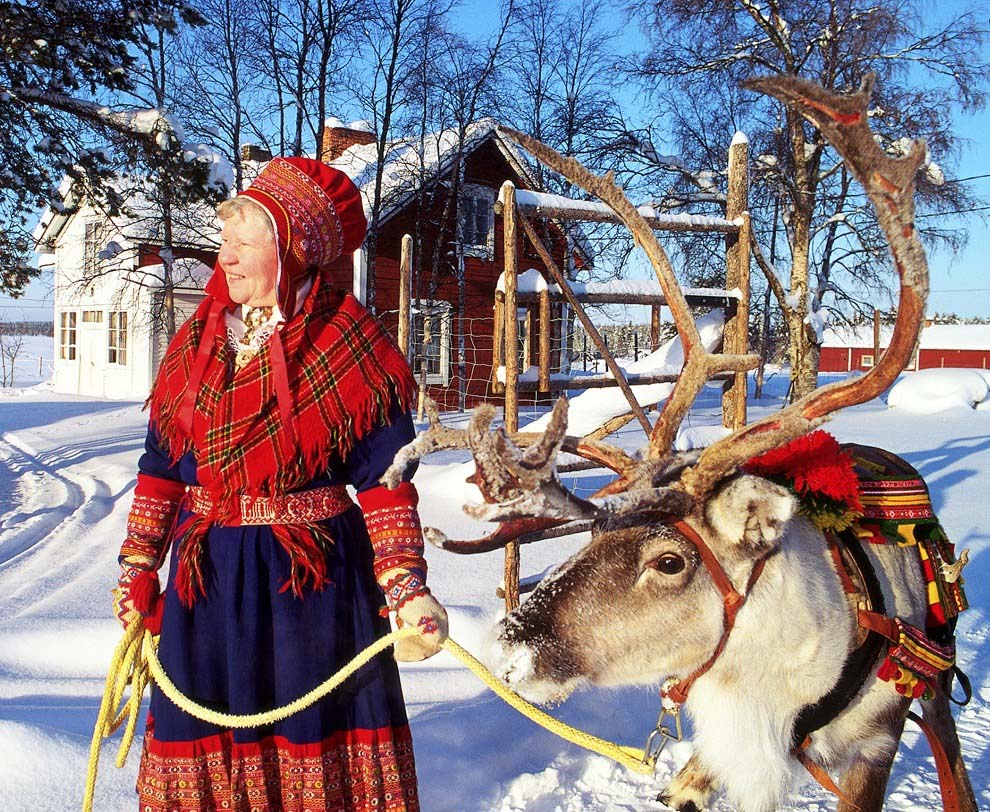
(338, 136)
(252, 152)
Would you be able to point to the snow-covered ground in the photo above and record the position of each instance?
(67, 467)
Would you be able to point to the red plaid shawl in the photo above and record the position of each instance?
(312, 392)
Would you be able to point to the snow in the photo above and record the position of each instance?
(937, 390)
(934, 337)
(592, 408)
(67, 467)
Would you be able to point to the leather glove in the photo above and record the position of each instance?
(425, 613)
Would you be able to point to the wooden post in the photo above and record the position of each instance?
(405, 275)
(654, 328)
(510, 262)
(876, 336)
(736, 335)
(498, 342)
(545, 328)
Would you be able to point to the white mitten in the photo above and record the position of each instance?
(425, 613)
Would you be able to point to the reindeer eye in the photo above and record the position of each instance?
(668, 564)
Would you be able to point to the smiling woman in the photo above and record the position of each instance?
(276, 395)
(248, 254)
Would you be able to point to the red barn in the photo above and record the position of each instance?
(846, 349)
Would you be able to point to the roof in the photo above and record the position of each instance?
(408, 159)
(935, 337)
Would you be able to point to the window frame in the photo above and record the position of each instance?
(117, 337)
(482, 249)
(443, 311)
(68, 336)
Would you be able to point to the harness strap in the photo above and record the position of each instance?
(732, 602)
(946, 779)
(860, 663)
(818, 772)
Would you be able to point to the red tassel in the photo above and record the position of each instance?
(306, 547)
(189, 572)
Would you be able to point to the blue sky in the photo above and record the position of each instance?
(959, 283)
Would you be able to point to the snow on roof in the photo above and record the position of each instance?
(935, 337)
(409, 159)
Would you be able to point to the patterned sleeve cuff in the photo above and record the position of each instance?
(397, 540)
(156, 502)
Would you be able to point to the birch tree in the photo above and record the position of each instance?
(697, 56)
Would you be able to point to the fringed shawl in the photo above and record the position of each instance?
(327, 377)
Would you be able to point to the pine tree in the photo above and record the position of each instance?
(63, 64)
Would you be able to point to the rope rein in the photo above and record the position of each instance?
(135, 662)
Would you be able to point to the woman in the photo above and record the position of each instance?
(276, 394)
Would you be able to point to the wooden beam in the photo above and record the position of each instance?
(511, 415)
(736, 335)
(545, 327)
(405, 275)
(534, 204)
(586, 322)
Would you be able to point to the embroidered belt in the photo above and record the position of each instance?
(291, 508)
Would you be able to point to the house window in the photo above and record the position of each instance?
(67, 336)
(866, 361)
(92, 317)
(117, 337)
(92, 246)
(524, 321)
(431, 341)
(477, 220)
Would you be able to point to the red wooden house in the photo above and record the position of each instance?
(941, 346)
(457, 264)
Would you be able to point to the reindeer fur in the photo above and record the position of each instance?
(609, 616)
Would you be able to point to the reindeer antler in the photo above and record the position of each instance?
(506, 468)
(699, 365)
(889, 184)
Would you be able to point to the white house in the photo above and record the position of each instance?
(109, 328)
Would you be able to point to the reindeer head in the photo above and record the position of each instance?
(676, 540)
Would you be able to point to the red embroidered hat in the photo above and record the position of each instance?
(317, 214)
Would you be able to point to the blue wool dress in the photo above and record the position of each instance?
(249, 645)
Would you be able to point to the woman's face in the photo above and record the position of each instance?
(249, 259)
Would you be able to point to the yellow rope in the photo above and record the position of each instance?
(629, 757)
(135, 661)
(268, 717)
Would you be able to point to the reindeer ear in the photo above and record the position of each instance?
(751, 511)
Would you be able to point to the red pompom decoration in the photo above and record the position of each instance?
(815, 465)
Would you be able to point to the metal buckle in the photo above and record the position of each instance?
(661, 734)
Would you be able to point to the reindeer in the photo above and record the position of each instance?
(702, 572)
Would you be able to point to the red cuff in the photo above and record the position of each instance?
(157, 487)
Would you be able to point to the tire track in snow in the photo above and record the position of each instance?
(54, 510)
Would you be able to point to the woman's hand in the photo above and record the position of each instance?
(422, 612)
(137, 594)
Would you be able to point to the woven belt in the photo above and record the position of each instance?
(291, 508)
